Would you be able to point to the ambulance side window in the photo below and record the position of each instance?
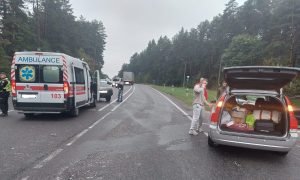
(79, 74)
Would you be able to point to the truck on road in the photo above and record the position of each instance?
(128, 78)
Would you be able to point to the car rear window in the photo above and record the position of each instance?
(51, 74)
(247, 100)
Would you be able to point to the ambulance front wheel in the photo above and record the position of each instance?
(74, 112)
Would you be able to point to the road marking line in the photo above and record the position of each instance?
(78, 136)
(114, 100)
(174, 104)
(25, 178)
(123, 100)
(51, 156)
(297, 146)
(180, 109)
(86, 130)
(10, 111)
(107, 105)
(95, 123)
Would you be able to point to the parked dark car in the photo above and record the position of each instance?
(255, 98)
(106, 91)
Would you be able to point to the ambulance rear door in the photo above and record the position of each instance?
(27, 78)
(51, 81)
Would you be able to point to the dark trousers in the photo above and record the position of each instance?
(4, 102)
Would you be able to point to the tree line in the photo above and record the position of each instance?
(259, 32)
(48, 25)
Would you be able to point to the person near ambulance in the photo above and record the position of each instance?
(120, 93)
(5, 89)
(198, 106)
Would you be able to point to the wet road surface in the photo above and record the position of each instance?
(144, 137)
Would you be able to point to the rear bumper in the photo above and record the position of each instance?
(253, 143)
(50, 109)
(104, 95)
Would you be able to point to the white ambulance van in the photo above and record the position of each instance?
(48, 82)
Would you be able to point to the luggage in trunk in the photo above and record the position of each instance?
(264, 126)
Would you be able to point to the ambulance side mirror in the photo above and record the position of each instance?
(62, 68)
(13, 67)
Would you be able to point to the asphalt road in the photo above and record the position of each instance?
(144, 137)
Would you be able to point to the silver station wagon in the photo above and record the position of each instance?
(253, 112)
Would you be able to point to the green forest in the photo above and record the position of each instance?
(48, 25)
(259, 32)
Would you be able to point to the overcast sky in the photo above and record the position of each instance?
(131, 24)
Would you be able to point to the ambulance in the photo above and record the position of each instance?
(49, 82)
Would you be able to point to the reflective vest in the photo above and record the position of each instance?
(7, 87)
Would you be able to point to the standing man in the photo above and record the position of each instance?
(120, 94)
(198, 107)
(205, 94)
(5, 90)
(221, 89)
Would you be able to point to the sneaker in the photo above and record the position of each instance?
(200, 130)
(193, 132)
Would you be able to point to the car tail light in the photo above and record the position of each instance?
(293, 120)
(66, 89)
(13, 88)
(215, 116)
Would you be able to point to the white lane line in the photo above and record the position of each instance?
(297, 146)
(95, 123)
(124, 100)
(114, 100)
(51, 156)
(25, 178)
(179, 108)
(86, 130)
(10, 111)
(174, 105)
(107, 105)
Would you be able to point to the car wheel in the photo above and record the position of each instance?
(211, 143)
(108, 98)
(29, 114)
(282, 153)
(74, 112)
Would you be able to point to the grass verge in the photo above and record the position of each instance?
(295, 102)
(180, 93)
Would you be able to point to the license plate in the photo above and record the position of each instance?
(28, 96)
(126, 82)
(103, 91)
